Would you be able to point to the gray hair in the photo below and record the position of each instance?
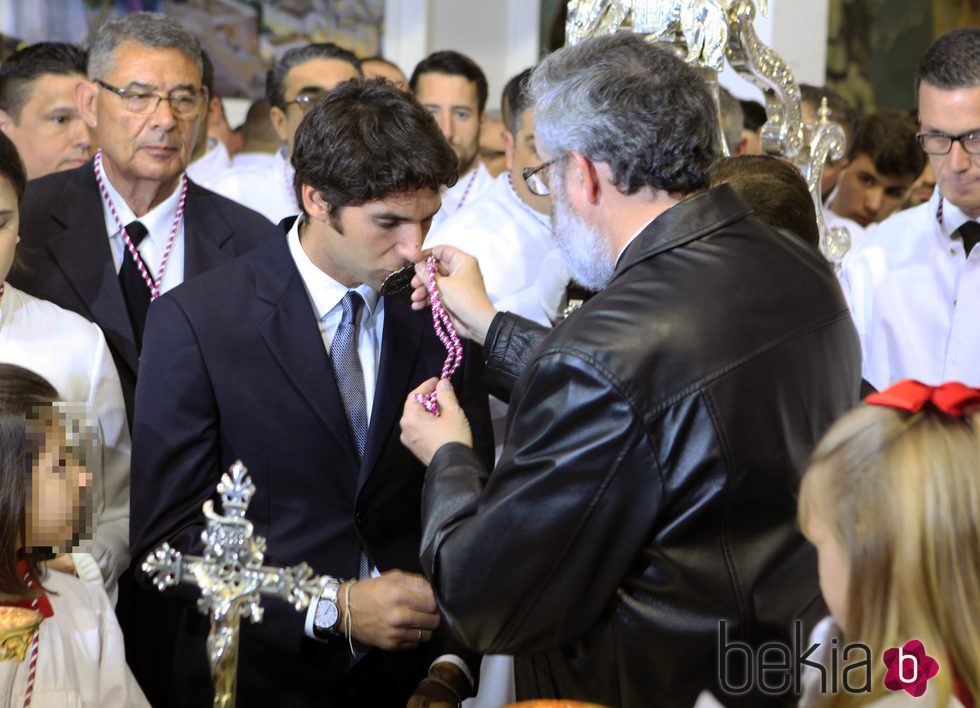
(151, 29)
(619, 100)
(952, 62)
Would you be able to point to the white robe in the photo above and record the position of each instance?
(266, 189)
(212, 165)
(71, 353)
(464, 192)
(81, 661)
(915, 298)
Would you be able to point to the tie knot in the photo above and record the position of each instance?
(969, 232)
(351, 305)
(137, 232)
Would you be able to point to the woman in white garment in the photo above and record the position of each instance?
(77, 653)
(71, 353)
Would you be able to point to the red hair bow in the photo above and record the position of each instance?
(952, 398)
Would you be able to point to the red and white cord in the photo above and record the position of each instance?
(446, 333)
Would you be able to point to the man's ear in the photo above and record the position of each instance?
(278, 118)
(508, 150)
(583, 176)
(85, 93)
(6, 121)
(315, 206)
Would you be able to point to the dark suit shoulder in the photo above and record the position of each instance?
(43, 198)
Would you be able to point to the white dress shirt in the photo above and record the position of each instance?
(465, 191)
(210, 166)
(71, 353)
(915, 298)
(508, 238)
(267, 190)
(158, 222)
(253, 159)
(81, 660)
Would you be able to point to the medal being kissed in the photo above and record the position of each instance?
(398, 280)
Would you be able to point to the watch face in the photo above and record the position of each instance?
(326, 614)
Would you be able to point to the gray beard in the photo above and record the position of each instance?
(586, 252)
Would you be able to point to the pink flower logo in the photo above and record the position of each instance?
(909, 668)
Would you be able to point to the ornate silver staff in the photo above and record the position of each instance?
(708, 32)
(231, 577)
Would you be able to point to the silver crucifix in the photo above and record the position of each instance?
(231, 577)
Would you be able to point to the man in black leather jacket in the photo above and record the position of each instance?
(647, 488)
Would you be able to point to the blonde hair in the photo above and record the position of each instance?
(900, 494)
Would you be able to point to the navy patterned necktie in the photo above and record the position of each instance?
(136, 293)
(350, 380)
(348, 372)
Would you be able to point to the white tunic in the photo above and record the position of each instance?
(915, 298)
(265, 189)
(465, 191)
(71, 353)
(510, 241)
(81, 661)
(854, 229)
(212, 165)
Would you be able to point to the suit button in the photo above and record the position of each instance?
(361, 518)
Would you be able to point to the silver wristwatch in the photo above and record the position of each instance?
(326, 619)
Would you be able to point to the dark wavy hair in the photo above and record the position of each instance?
(23, 395)
(12, 167)
(952, 62)
(618, 100)
(888, 138)
(367, 140)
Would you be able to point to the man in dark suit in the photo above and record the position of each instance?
(290, 360)
(145, 102)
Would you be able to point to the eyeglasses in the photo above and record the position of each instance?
(534, 177)
(183, 103)
(939, 144)
(306, 99)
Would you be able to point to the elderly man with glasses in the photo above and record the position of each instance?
(641, 517)
(298, 79)
(913, 284)
(106, 238)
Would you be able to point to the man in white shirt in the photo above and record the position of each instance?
(454, 90)
(260, 141)
(913, 286)
(298, 368)
(298, 79)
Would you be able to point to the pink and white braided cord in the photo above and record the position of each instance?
(446, 333)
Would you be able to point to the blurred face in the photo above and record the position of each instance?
(521, 153)
(454, 103)
(867, 196)
(57, 496)
(493, 146)
(383, 70)
(307, 82)
(144, 147)
(922, 188)
(9, 225)
(953, 113)
(366, 243)
(50, 135)
(832, 566)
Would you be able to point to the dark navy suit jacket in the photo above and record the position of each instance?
(234, 367)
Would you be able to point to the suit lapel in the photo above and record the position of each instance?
(400, 346)
(82, 252)
(205, 233)
(293, 336)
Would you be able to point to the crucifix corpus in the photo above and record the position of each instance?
(231, 577)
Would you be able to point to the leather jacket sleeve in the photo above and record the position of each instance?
(511, 340)
(526, 558)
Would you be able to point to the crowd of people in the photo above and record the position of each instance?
(678, 442)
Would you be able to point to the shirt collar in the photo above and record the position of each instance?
(953, 218)
(158, 221)
(325, 292)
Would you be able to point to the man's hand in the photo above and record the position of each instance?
(394, 611)
(424, 433)
(444, 687)
(461, 289)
